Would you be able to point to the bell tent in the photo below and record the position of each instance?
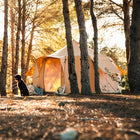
(51, 72)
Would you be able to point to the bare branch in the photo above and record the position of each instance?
(129, 1)
(116, 4)
(116, 13)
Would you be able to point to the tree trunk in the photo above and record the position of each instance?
(17, 42)
(85, 81)
(126, 10)
(23, 69)
(71, 59)
(134, 65)
(31, 39)
(12, 42)
(3, 73)
(30, 47)
(95, 39)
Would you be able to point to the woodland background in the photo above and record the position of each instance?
(33, 28)
(36, 28)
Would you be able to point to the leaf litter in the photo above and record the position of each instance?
(102, 117)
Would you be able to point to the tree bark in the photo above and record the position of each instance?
(71, 59)
(23, 69)
(134, 65)
(31, 39)
(95, 39)
(3, 73)
(126, 10)
(17, 42)
(85, 81)
(12, 42)
(30, 47)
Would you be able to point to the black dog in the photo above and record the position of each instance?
(22, 86)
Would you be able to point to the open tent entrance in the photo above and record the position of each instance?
(52, 74)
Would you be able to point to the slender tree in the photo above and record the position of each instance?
(71, 59)
(12, 26)
(126, 11)
(85, 81)
(95, 39)
(23, 69)
(30, 46)
(31, 38)
(17, 42)
(3, 73)
(134, 65)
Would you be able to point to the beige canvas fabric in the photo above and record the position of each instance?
(51, 72)
(106, 64)
(36, 78)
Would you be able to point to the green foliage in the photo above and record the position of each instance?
(125, 84)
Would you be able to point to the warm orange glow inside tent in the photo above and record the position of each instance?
(52, 74)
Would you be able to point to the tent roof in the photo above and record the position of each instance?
(63, 52)
(106, 64)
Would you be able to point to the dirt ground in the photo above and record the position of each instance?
(97, 117)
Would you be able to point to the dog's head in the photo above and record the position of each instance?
(18, 77)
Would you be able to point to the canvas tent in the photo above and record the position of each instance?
(51, 72)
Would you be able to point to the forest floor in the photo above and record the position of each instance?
(97, 117)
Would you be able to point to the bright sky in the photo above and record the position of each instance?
(111, 36)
